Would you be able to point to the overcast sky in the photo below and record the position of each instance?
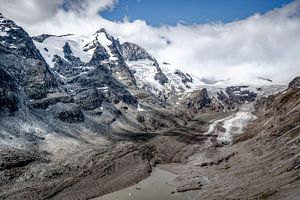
(260, 45)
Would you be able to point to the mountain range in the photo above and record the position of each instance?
(86, 108)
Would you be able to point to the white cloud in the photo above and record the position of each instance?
(261, 45)
(29, 10)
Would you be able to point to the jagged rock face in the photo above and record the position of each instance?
(225, 99)
(60, 95)
(185, 77)
(198, 100)
(100, 54)
(110, 56)
(210, 100)
(122, 73)
(240, 94)
(295, 83)
(113, 45)
(64, 68)
(133, 52)
(203, 101)
(17, 40)
(9, 99)
(86, 81)
(116, 48)
(69, 54)
(160, 76)
(121, 70)
(69, 113)
(70, 65)
(93, 87)
(89, 99)
(21, 59)
(39, 81)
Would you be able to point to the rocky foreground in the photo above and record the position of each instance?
(263, 163)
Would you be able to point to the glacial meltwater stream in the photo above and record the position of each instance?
(232, 125)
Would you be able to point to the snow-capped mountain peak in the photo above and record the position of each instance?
(129, 63)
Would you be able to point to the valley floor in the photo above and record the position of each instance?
(195, 161)
(210, 172)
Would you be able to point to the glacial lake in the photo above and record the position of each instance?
(158, 186)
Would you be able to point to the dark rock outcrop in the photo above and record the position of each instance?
(9, 97)
(160, 76)
(240, 94)
(133, 52)
(185, 78)
(89, 99)
(69, 113)
(41, 38)
(99, 55)
(295, 83)
(17, 40)
(22, 60)
(198, 100)
(15, 158)
(69, 55)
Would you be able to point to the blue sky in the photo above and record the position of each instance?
(170, 12)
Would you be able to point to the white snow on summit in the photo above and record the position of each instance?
(145, 70)
(53, 45)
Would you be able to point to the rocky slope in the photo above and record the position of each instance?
(263, 162)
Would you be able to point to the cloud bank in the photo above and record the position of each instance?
(265, 45)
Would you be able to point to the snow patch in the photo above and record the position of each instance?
(3, 34)
(140, 109)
